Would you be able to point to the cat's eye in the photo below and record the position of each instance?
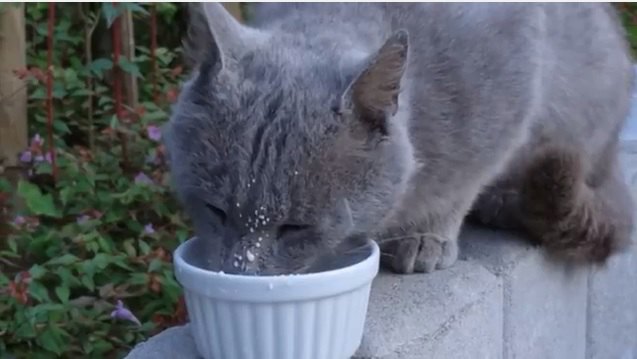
(220, 214)
(289, 229)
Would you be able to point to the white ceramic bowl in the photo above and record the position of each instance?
(308, 316)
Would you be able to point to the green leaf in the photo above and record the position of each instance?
(154, 265)
(66, 194)
(37, 271)
(129, 67)
(144, 248)
(38, 291)
(38, 203)
(63, 293)
(134, 7)
(65, 259)
(38, 94)
(138, 278)
(88, 282)
(51, 341)
(43, 168)
(59, 92)
(68, 279)
(5, 185)
(110, 12)
(101, 260)
(61, 127)
(98, 66)
(13, 245)
(130, 249)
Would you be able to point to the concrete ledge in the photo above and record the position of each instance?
(410, 313)
(503, 299)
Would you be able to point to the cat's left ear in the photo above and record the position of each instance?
(373, 94)
(216, 36)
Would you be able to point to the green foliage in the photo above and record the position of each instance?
(104, 230)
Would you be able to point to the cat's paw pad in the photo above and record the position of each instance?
(420, 253)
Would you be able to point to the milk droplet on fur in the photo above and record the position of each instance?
(236, 264)
(251, 230)
(258, 245)
(249, 256)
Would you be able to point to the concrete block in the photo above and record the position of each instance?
(172, 343)
(545, 302)
(612, 310)
(455, 313)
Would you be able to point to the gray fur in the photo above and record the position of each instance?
(384, 120)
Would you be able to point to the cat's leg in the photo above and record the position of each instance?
(572, 218)
(498, 206)
(425, 246)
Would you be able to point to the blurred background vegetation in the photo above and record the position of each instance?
(87, 221)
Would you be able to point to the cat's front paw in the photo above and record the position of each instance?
(419, 253)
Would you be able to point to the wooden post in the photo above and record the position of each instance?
(13, 93)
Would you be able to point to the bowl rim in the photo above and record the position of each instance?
(274, 287)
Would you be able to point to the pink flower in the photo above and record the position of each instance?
(142, 178)
(124, 313)
(48, 157)
(153, 132)
(19, 220)
(148, 229)
(36, 140)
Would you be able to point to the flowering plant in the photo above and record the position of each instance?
(87, 232)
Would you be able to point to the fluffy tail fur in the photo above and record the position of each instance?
(572, 219)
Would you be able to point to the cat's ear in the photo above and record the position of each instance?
(373, 94)
(214, 35)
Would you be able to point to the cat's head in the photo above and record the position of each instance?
(284, 156)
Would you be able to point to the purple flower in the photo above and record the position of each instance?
(26, 156)
(154, 132)
(123, 313)
(148, 229)
(39, 158)
(83, 219)
(19, 220)
(36, 140)
(48, 157)
(142, 178)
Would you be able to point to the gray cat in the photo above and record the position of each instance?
(324, 124)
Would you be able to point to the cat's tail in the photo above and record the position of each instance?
(572, 219)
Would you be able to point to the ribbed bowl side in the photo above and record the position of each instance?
(326, 328)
